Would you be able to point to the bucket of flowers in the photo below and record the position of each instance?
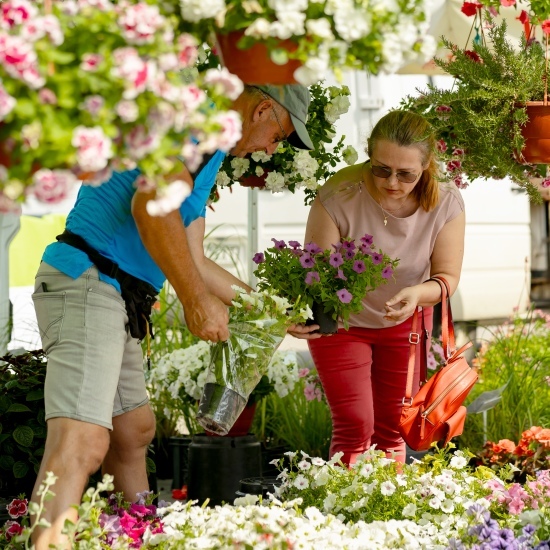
(89, 87)
(291, 168)
(332, 282)
(257, 325)
(281, 42)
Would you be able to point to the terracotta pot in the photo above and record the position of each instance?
(537, 134)
(242, 424)
(254, 65)
(253, 181)
(327, 325)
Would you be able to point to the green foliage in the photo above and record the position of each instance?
(294, 167)
(478, 121)
(538, 10)
(22, 422)
(517, 354)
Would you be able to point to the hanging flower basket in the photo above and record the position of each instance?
(536, 133)
(253, 181)
(255, 65)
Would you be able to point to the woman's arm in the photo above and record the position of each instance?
(320, 227)
(446, 261)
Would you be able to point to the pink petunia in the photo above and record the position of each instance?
(344, 296)
(336, 259)
(17, 508)
(311, 277)
(359, 266)
(387, 272)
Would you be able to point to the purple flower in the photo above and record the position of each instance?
(359, 266)
(337, 246)
(312, 276)
(377, 258)
(296, 251)
(387, 272)
(313, 248)
(349, 254)
(294, 244)
(306, 260)
(367, 239)
(344, 296)
(279, 244)
(258, 258)
(366, 248)
(349, 245)
(336, 259)
(340, 275)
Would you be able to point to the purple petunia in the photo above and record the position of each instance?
(294, 244)
(349, 245)
(349, 254)
(337, 246)
(367, 239)
(279, 244)
(359, 266)
(312, 276)
(313, 248)
(258, 258)
(366, 249)
(387, 272)
(306, 260)
(336, 259)
(377, 258)
(340, 275)
(344, 296)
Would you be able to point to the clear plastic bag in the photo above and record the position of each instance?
(236, 367)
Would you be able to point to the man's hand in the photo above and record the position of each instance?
(207, 318)
(304, 332)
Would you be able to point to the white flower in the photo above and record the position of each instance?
(240, 166)
(168, 198)
(447, 506)
(301, 482)
(338, 106)
(458, 461)
(409, 510)
(259, 171)
(260, 156)
(329, 502)
(304, 465)
(320, 28)
(275, 181)
(387, 488)
(195, 10)
(259, 28)
(224, 82)
(222, 179)
(350, 156)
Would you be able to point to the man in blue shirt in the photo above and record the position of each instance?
(97, 408)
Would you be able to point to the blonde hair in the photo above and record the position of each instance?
(408, 129)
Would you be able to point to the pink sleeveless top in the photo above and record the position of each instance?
(410, 239)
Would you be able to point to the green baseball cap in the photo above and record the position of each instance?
(295, 99)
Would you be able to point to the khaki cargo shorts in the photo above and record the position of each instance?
(95, 368)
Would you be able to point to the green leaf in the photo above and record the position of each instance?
(24, 108)
(18, 407)
(35, 395)
(4, 403)
(20, 470)
(6, 462)
(23, 435)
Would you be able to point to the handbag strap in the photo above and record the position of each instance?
(419, 335)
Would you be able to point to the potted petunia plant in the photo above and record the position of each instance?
(332, 282)
(484, 121)
(301, 41)
(292, 168)
(89, 87)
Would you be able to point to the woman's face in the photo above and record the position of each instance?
(396, 170)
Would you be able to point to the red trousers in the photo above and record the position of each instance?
(364, 374)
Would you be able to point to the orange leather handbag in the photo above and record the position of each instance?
(436, 412)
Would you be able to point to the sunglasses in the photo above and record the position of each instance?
(383, 172)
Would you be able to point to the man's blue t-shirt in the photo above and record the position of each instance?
(103, 217)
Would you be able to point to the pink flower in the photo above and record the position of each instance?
(190, 97)
(91, 62)
(47, 96)
(258, 258)
(93, 104)
(140, 22)
(454, 165)
(309, 392)
(129, 66)
(302, 373)
(344, 296)
(141, 142)
(188, 50)
(367, 239)
(507, 3)
(168, 198)
(52, 186)
(546, 26)
(359, 266)
(441, 145)
(443, 109)
(387, 272)
(376, 258)
(224, 82)
(231, 130)
(20, 61)
(12, 529)
(311, 277)
(340, 275)
(279, 245)
(545, 182)
(7, 103)
(17, 508)
(192, 155)
(127, 110)
(307, 261)
(458, 152)
(313, 248)
(94, 148)
(336, 259)
(16, 12)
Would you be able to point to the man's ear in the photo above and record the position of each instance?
(262, 110)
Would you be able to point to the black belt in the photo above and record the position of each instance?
(138, 295)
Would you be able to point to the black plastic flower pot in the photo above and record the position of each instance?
(179, 446)
(327, 325)
(259, 486)
(217, 465)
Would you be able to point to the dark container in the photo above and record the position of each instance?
(217, 465)
(180, 460)
(260, 486)
(327, 325)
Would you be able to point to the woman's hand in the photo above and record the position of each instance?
(402, 305)
(304, 332)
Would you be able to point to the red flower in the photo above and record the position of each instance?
(472, 55)
(523, 17)
(12, 529)
(546, 26)
(469, 8)
(180, 494)
(17, 508)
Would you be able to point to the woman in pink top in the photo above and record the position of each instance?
(396, 197)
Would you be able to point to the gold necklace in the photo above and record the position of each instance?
(391, 213)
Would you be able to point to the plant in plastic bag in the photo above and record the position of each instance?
(257, 325)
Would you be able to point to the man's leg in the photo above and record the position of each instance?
(125, 460)
(74, 451)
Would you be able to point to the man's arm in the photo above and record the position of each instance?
(166, 241)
